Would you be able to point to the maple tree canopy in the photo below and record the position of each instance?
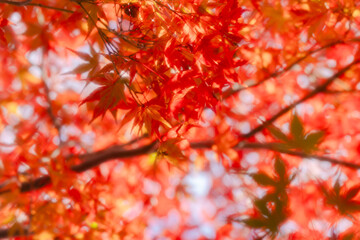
(187, 119)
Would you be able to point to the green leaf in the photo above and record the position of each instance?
(82, 68)
(263, 179)
(280, 167)
(349, 207)
(82, 55)
(337, 187)
(349, 236)
(296, 128)
(352, 192)
(313, 139)
(254, 222)
(277, 133)
(325, 191)
(260, 204)
(94, 225)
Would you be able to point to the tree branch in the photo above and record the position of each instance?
(50, 110)
(287, 68)
(341, 91)
(90, 160)
(10, 232)
(272, 147)
(16, 3)
(202, 144)
(94, 159)
(30, 3)
(318, 89)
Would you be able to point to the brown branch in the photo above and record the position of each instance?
(202, 144)
(14, 232)
(16, 3)
(50, 110)
(135, 140)
(287, 68)
(90, 160)
(341, 91)
(30, 3)
(273, 147)
(318, 89)
(94, 159)
(51, 7)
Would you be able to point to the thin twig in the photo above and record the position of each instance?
(115, 51)
(21, 3)
(16, 232)
(95, 159)
(287, 68)
(318, 89)
(30, 3)
(272, 147)
(341, 91)
(135, 140)
(50, 109)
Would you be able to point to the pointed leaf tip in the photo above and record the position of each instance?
(263, 179)
(280, 167)
(296, 128)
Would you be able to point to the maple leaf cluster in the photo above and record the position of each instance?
(189, 119)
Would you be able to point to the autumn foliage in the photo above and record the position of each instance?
(187, 119)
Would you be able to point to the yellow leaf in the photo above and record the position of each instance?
(152, 158)
(12, 107)
(45, 235)
(154, 114)
(94, 225)
(356, 13)
(8, 219)
(27, 77)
